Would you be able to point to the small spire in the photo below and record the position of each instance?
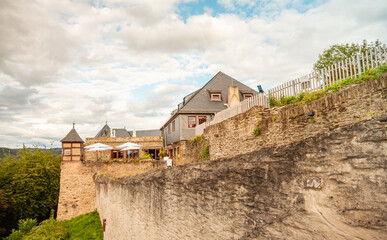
(106, 122)
(73, 124)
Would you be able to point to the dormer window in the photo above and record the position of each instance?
(216, 97)
(247, 95)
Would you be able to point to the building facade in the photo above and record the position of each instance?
(150, 141)
(200, 106)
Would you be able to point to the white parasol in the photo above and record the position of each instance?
(128, 146)
(99, 145)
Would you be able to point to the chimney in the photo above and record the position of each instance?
(134, 133)
(233, 96)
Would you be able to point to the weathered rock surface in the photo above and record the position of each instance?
(329, 186)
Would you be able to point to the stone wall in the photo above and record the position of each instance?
(188, 152)
(331, 185)
(77, 189)
(290, 123)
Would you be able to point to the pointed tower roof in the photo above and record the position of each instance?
(72, 136)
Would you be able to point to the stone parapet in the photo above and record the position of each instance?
(291, 123)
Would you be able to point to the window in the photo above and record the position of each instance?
(117, 154)
(202, 119)
(191, 121)
(173, 125)
(247, 95)
(132, 154)
(66, 152)
(215, 97)
(169, 128)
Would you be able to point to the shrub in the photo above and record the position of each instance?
(287, 100)
(205, 153)
(198, 139)
(310, 97)
(162, 154)
(273, 101)
(48, 229)
(24, 227)
(145, 155)
(257, 129)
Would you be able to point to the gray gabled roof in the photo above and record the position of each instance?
(200, 102)
(105, 128)
(73, 137)
(219, 83)
(120, 132)
(147, 133)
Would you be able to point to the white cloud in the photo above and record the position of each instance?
(131, 62)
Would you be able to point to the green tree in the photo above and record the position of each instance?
(29, 183)
(339, 52)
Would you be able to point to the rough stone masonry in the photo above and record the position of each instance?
(319, 177)
(329, 186)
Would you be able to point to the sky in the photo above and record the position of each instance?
(131, 62)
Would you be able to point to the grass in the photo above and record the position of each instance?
(306, 97)
(48, 229)
(86, 226)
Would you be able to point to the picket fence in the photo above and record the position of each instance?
(314, 81)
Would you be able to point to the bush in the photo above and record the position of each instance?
(162, 154)
(257, 129)
(273, 101)
(310, 97)
(205, 154)
(145, 155)
(198, 139)
(24, 227)
(48, 229)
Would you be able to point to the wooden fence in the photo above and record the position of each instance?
(317, 80)
(314, 81)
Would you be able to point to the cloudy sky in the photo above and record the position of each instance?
(131, 62)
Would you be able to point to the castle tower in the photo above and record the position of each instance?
(72, 146)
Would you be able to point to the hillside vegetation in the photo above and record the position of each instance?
(13, 151)
(86, 226)
(29, 187)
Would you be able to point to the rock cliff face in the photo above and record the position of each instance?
(332, 185)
